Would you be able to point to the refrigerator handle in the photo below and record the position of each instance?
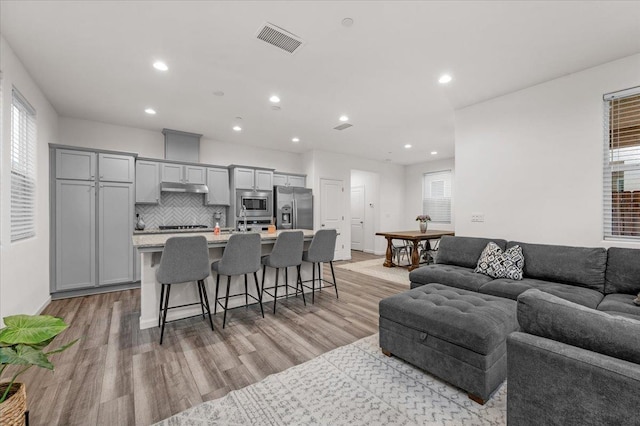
(295, 214)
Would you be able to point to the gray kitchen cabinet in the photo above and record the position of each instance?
(75, 234)
(116, 168)
(179, 173)
(284, 179)
(253, 179)
(218, 183)
(115, 227)
(77, 165)
(147, 182)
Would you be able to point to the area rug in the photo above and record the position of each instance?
(375, 269)
(352, 385)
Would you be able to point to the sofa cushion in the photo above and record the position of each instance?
(474, 321)
(501, 264)
(548, 316)
(581, 266)
(463, 251)
(451, 275)
(623, 271)
(511, 289)
(620, 304)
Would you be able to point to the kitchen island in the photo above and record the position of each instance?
(150, 248)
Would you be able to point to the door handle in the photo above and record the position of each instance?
(361, 222)
(322, 225)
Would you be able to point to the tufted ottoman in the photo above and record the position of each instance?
(455, 334)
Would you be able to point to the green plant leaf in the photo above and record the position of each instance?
(30, 329)
(62, 348)
(24, 355)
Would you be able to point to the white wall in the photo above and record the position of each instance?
(329, 165)
(24, 265)
(148, 143)
(531, 161)
(370, 181)
(413, 177)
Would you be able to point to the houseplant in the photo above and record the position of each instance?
(22, 344)
(423, 219)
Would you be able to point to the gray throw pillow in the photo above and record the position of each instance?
(501, 264)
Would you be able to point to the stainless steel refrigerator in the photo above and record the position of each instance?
(293, 207)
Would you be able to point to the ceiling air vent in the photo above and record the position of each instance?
(343, 126)
(278, 37)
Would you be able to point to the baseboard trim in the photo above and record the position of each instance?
(94, 290)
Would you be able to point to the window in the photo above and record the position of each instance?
(436, 198)
(622, 165)
(23, 140)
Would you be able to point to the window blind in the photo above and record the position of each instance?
(622, 165)
(436, 199)
(23, 185)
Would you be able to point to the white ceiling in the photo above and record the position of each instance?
(93, 61)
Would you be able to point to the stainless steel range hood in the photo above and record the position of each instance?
(184, 187)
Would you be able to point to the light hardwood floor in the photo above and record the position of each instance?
(119, 375)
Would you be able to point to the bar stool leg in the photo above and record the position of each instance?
(299, 283)
(275, 292)
(264, 272)
(201, 299)
(215, 299)
(286, 281)
(313, 283)
(226, 302)
(255, 278)
(160, 307)
(206, 300)
(166, 308)
(246, 294)
(319, 277)
(335, 284)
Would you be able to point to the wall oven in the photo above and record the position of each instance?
(257, 204)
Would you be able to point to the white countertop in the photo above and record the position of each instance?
(149, 242)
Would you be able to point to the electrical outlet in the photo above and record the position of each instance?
(477, 217)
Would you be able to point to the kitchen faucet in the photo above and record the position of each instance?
(243, 214)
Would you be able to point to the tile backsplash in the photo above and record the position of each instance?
(178, 208)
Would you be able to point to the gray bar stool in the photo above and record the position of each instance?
(241, 257)
(287, 252)
(184, 259)
(321, 250)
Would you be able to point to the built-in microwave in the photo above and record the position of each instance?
(257, 204)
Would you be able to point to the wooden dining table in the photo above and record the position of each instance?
(415, 237)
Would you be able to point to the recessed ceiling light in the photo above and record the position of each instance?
(444, 79)
(295, 140)
(237, 128)
(347, 22)
(344, 118)
(150, 111)
(274, 99)
(160, 66)
(434, 152)
(408, 146)
(218, 93)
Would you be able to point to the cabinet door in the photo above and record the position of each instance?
(264, 180)
(172, 173)
(116, 168)
(77, 165)
(147, 182)
(218, 183)
(75, 234)
(115, 219)
(279, 180)
(195, 174)
(243, 178)
(298, 181)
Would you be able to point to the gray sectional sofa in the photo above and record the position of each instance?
(601, 279)
(574, 355)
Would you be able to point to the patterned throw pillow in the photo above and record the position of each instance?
(498, 264)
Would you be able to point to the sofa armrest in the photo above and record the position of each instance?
(553, 383)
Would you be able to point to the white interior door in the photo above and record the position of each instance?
(332, 211)
(357, 218)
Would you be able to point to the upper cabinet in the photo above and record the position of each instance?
(178, 173)
(76, 165)
(283, 179)
(116, 168)
(253, 179)
(147, 182)
(218, 183)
